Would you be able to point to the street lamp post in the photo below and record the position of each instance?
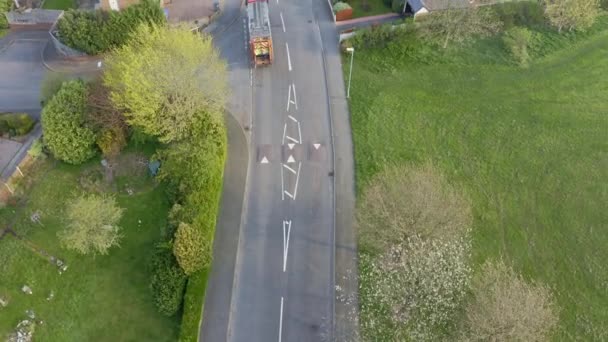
(350, 74)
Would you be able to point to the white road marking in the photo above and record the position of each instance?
(282, 187)
(292, 139)
(295, 97)
(290, 169)
(288, 58)
(295, 191)
(292, 118)
(282, 21)
(316, 146)
(264, 160)
(290, 159)
(284, 131)
(294, 101)
(281, 318)
(300, 132)
(291, 146)
(288, 194)
(286, 242)
(251, 77)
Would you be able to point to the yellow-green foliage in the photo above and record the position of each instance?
(191, 249)
(165, 80)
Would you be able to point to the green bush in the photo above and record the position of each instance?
(191, 249)
(99, 31)
(520, 13)
(63, 124)
(341, 6)
(37, 149)
(5, 6)
(397, 5)
(16, 124)
(168, 282)
(517, 40)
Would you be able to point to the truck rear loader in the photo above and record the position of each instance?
(260, 36)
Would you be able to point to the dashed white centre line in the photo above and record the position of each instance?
(286, 234)
(288, 58)
(282, 21)
(281, 322)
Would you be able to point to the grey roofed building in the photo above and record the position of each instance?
(417, 7)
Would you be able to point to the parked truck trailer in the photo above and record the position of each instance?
(260, 35)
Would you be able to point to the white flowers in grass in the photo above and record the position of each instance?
(413, 291)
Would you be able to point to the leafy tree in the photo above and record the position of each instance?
(92, 224)
(63, 123)
(517, 40)
(182, 81)
(572, 14)
(168, 282)
(191, 249)
(406, 201)
(459, 24)
(107, 120)
(505, 307)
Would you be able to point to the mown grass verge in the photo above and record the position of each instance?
(528, 145)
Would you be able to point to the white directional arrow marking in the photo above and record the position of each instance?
(286, 233)
(264, 160)
(316, 146)
(290, 159)
(291, 146)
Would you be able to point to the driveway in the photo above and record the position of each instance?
(22, 71)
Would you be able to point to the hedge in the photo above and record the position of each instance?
(95, 32)
(194, 171)
(15, 124)
(168, 282)
(5, 6)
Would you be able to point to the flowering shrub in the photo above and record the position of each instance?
(413, 291)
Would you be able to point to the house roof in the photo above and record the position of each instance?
(437, 5)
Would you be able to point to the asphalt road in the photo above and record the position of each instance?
(283, 287)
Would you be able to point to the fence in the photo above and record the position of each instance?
(33, 18)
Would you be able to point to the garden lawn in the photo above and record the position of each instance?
(529, 146)
(101, 298)
(367, 8)
(59, 4)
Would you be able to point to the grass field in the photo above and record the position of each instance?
(59, 4)
(102, 298)
(366, 8)
(529, 146)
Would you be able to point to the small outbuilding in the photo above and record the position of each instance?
(420, 7)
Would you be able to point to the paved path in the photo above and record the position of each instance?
(25, 58)
(367, 21)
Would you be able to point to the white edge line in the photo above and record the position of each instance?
(290, 169)
(288, 97)
(284, 131)
(289, 64)
(295, 97)
(292, 118)
(281, 319)
(300, 132)
(282, 186)
(292, 139)
(295, 191)
(282, 21)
